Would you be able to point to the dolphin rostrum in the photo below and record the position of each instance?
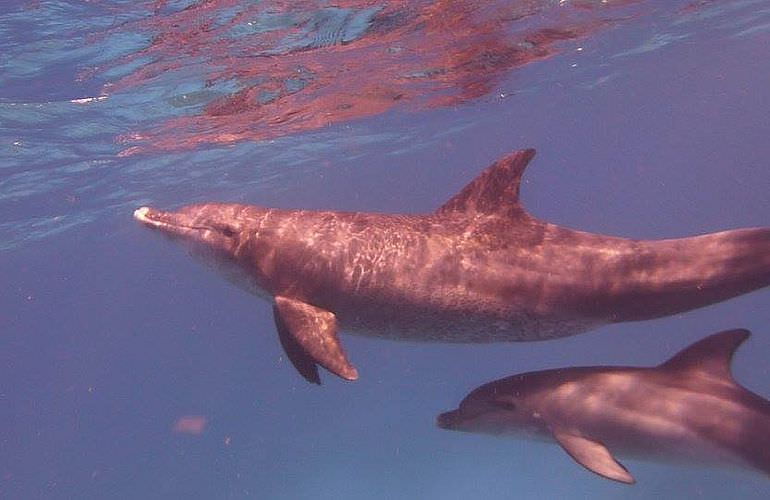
(688, 409)
(479, 269)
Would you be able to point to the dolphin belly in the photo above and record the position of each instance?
(456, 326)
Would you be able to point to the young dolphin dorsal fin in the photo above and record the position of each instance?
(308, 334)
(710, 356)
(593, 455)
(495, 190)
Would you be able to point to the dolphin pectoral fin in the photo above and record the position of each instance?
(594, 456)
(302, 361)
(308, 334)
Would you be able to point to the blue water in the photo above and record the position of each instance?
(652, 124)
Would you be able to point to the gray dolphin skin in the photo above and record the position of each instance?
(687, 409)
(479, 269)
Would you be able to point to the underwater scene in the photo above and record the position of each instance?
(377, 249)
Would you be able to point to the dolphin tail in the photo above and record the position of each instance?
(674, 276)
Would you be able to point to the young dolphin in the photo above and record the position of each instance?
(689, 408)
(479, 269)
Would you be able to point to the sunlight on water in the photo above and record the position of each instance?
(174, 76)
(272, 70)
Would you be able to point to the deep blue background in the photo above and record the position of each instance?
(656, 128)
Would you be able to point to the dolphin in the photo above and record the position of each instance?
(479, 269)
(687, 409)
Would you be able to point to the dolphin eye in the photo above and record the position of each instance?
(504, 404)
(225, 230)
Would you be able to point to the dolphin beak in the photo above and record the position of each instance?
(447, 420)
(144, 215)
(159, 219)
(170, 223)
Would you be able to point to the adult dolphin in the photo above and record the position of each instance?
(479, 269)
(689, 409)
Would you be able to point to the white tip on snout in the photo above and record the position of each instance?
(140, 214)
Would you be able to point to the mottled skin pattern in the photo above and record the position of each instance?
(480, 269)
(479, 279)
(687, 409)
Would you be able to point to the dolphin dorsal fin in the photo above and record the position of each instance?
(495, 190)
(710, 356)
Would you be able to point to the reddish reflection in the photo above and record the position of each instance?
(292, 66)
(190, 424)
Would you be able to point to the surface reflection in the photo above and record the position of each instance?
(277, 68)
